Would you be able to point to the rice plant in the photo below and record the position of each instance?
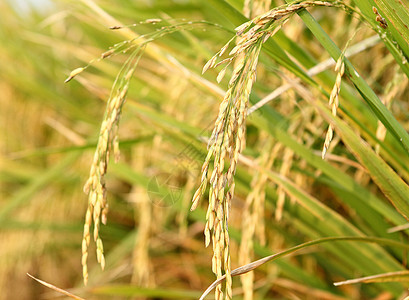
(274, 130)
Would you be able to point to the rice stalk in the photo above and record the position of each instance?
(140, 258)
(253, 216)
(151, 82)
(227, 141)
(284, 171)
(334, 103)
(227, 138)
(334, 96)
(108, 141)
(141, 274)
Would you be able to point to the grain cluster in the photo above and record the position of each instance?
(228, 137)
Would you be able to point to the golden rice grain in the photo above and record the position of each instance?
(73, 74)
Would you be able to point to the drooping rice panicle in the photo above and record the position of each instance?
(140, 40)
(108, 141)
(334, 103)
(108, 137)
(226, 143)
(227, 138)
(334, 96)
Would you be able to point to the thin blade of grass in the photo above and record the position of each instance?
(253, 265)
(402, 276)
(53, 287)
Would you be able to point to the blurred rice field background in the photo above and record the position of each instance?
(285, 193)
